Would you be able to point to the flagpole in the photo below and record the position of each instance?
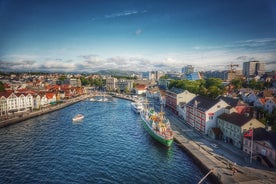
(251, 146)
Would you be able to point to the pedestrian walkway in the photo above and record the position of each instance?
(223, 169)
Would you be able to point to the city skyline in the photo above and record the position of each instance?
(88, 36)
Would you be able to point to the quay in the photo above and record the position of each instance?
(216, 167)
(221, 169)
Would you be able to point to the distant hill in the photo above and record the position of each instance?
(116, 73)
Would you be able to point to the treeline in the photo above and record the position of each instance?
(211, 87)
(252, 84)
(92, 82)
(124, 77)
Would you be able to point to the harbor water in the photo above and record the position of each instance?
(109, 145)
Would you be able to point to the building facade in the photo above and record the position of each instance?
(233, 125)
(263, 146)
(175, 96)
(253, 68)
(202, 113)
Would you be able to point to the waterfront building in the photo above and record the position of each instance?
(175, 96)
(111, 83)
(263, 147)
(15, 102)
(75, 82)
(233, 125)
(43, 99)
(124, 84)
(253, 68)
(140, 89)
(51, 98)
(202, 113)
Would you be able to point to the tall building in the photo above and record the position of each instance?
(253, 68)
(187, 69)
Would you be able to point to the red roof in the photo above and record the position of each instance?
(141, 87)
(49, 95)
(6, 93)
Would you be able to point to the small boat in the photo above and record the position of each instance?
(92, 100)
(137, 107)
(78, 117)
(157, 125)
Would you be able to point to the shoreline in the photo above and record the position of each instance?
(218, 167)
(47, 110)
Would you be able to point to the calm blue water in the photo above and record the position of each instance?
(108, 146)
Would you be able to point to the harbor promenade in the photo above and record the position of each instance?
(221, 168)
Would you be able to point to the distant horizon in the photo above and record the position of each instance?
(91, 35)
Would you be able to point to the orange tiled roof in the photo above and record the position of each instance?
(49, 95)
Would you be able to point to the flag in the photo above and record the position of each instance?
(249, 133)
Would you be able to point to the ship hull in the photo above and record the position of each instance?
(166, 142)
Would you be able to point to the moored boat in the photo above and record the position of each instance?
(137, 107)
(78, 117)
(157, 125)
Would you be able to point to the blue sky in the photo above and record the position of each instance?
(71, 35)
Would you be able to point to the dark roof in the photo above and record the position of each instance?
(230, 101)
(235, 118)
(203, 103)
(176, 90)
(260, 134)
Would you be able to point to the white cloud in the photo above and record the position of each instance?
(138, 31)
(119, 14)
(201, 57)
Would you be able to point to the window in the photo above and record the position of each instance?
(263, 152)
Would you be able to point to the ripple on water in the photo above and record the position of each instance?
(108, 146)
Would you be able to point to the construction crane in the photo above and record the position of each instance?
(232, 67)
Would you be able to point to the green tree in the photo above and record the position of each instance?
(2, 87)
(237, 83)
(84, 81)
(259, 85)
(164, 77)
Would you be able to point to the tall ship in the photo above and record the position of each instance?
(157, 125)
